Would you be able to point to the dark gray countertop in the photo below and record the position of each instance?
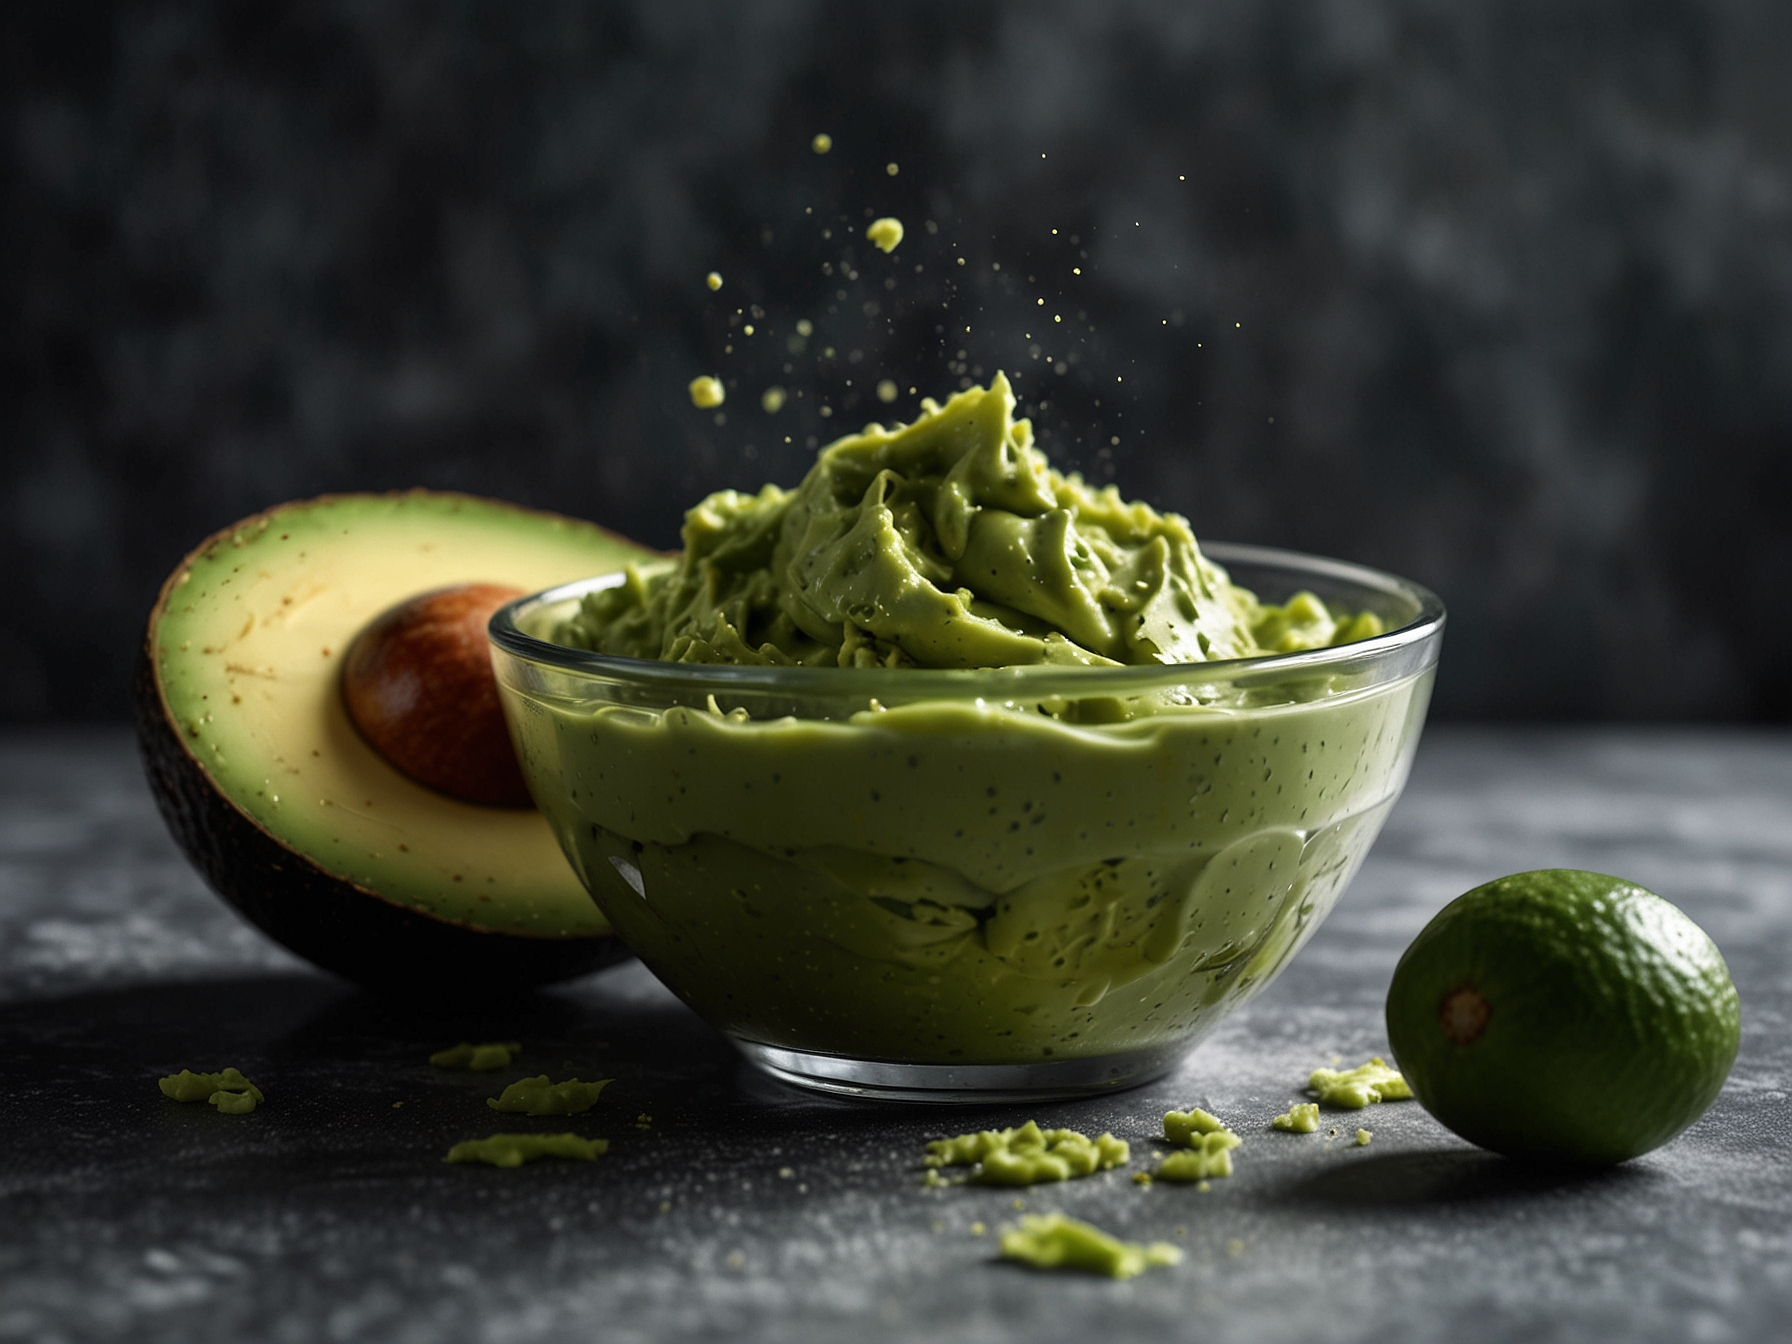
(329, 1215)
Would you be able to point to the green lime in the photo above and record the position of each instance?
(1564, 1016)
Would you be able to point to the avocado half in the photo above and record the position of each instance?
(281, 804)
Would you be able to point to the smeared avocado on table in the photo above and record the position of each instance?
(286, 809)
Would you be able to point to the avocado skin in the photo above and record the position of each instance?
(344, 928)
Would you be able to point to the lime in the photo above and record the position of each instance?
(1564, 1016)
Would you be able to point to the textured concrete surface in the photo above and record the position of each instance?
(744, 1210)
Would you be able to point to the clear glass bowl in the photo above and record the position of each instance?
(973, 885)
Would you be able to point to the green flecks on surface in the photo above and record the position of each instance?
(479, 1058)
(1206, 1156)
(227, 1089)
(1028, 1155)
(1353, 1089)
(1301, 1118)
(512, 1150)
(1183, 1128)
(1053, 1241)
(1362, 1138)
(538, 1096)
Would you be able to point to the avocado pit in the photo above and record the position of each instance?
(418, 686)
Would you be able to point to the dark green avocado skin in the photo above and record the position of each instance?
(334, 924)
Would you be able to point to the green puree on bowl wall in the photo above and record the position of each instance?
(921, 761)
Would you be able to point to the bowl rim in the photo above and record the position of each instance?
(1423, 630)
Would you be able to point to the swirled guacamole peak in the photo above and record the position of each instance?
(950, 543)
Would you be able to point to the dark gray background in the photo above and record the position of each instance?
(1497, 295)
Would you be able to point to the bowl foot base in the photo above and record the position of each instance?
(962, 1084)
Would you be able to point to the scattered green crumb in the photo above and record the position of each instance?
(538, 1096)
(1141, 1178)
(1205, 1142)
(512, 1150)
(887, 391)
(822, 143)
(1184, 1128)
(1202, 1186)
(932, 1179)
(1356, 1088)
(1017, 1204)
(772, 400)
(227, 1089)
(643, 1121)
(1028, 1155)
(1362, 1138)
(978, 1229)
(707, 393)
(886, 233)
(1300, 1118)
(1053, 1241)
(478, 1058)
(1208, 1156)
(713, 280)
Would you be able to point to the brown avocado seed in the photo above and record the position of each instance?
(418, 685)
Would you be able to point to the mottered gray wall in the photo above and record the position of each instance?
(1496, 294)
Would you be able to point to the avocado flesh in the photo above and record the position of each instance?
(243, 659)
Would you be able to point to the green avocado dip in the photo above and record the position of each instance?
(918, 863)
(512, 1150)
(1206, 1147)
(1027, 1155)
(1053, 1241)
(538, 1096)
(1353, 1089)
(950, 542)
(227, 1089)
(479, 1058)
(1300, 1118)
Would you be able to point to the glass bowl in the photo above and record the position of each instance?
(973, 885)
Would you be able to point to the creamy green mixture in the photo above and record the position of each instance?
(1206, 1159)
(227, 1089)
(950, 542)
(1053, 1241)
(1206, 1146)
(496, 1055)
(1185, 1128)
(512, 1150)
(982, 880)
(1026, 1155)
(1353, 1089)
(538, 1096)
(1301, 1118)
